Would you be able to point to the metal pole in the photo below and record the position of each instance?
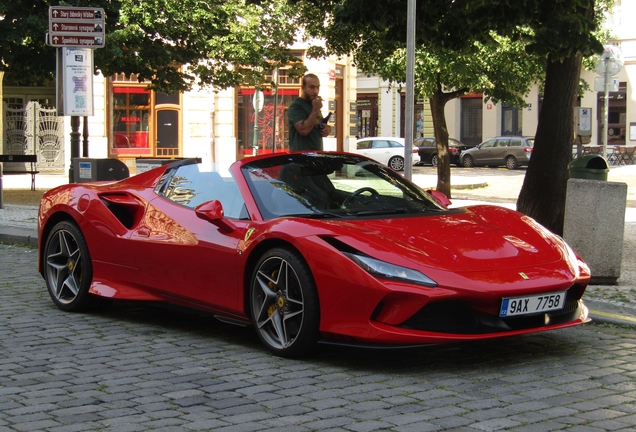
(1, 192)
(410, 96)
(75, 144)
(606, 108)
(85, 138)
(275, 89)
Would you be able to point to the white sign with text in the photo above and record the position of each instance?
(78, 81)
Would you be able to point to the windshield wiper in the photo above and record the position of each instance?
(324, 215)
(401, 210)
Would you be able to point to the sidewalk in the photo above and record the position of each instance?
(615, 304)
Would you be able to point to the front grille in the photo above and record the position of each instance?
(455, 317)
(571, 305)
(444, 317)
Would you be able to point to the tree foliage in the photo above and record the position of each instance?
(561, 32)
(225, 43)
(23, 25)
(501, 70)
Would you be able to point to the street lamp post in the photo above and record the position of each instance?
(611, 62)
(410, 97)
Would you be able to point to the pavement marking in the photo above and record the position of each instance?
(613, 316)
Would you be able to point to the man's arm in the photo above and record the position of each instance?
(307, 125)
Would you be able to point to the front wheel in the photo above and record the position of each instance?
(468, 162)
(511, 163)
(434, 160)
(396, 163)
(68, 270)
(284, 303)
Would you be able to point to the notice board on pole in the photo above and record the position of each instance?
(77, 88)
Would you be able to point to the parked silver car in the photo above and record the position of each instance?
(511, 151)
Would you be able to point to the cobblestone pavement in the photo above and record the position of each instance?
(139, 367)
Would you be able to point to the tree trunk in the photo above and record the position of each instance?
(438, 102)
(542, 195)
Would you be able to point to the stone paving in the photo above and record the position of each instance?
(140, 367)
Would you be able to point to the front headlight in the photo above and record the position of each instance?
(390, 271)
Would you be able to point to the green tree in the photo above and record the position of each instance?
(223, 43)
(562, 32)
(501, 70)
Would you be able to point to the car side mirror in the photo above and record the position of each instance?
(212, 211)
(439, 197)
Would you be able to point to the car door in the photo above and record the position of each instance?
(381, 151)
(426, 149)
(483, 155)
(363, 147)
(516, 149)
(185, 257)
(499, 151)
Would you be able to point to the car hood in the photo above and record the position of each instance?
(479, 238)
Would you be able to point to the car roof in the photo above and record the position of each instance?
(451, 140)
(510, 136)
(381, 138)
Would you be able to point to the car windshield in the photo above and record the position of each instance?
(328, 185)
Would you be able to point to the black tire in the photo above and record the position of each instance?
(396, 163)
(511, 163)
(68, 270)
(434, 160)
(284, 304)
(468, 162)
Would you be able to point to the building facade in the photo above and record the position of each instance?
(131, 122)
(472, 119)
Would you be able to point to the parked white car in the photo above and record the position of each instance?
(386, 150)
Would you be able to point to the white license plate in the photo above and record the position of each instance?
(512, 306)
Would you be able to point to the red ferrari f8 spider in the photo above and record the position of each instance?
(308, 248)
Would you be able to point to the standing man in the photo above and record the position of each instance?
(305, 118)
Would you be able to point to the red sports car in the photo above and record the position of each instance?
(309, 247)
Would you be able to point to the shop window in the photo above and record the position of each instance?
(130, 120)
(270, 133)
(418, 117)
(143, 123)
(367, 115)
(616, 119)
(261, 118)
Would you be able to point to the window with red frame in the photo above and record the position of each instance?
(130, 121)
(270, 132)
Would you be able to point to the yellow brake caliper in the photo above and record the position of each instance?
(272, 308)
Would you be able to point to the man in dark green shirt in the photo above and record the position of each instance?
(305, 117)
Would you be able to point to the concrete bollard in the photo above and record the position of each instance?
(594, 226)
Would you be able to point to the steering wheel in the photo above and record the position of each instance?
(358, 192)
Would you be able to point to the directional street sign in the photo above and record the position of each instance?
(79, 27)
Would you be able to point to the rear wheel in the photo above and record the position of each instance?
(468, 162)
(68, 270)
(284, 303)
(434, 160)
(396, 163)
(511, 163)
